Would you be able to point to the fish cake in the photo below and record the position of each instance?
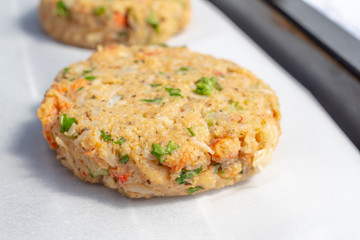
(160, 121)
(88, 23)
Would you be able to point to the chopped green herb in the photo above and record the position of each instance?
(136, 61)
(205, 86)
(217, 168)
(163, 45)
(156, 85)
(191, 131)
(191, 190)
(242, 171)
(151, 100)
(105, 136)
(66, 70)
(183, 69)
(97, 172)
(89, 71)
(164, 74)
(90, 78)
(187, 174)
(158, 151)
(236, 106)
(175, 92)
(218, 86)
(153, 21)
(123, 33)
(171, 147)
(62, 9)
(198, 170)
(79, 89)
(123, 159)
(210, 118)
(99, 11)
(120, 141)
(72, 79)
(66, 123)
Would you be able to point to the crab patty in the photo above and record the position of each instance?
(88, 23)
(160, 121)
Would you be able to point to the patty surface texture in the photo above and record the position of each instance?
(160, 121)
(88, 23)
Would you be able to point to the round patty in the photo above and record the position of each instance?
(160, 121)
(87, 23)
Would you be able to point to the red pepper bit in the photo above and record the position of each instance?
(124, 178)
(120, 19)
(217, 73)
(111, 47)
(238, 119)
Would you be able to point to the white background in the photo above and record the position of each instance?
(309, 191)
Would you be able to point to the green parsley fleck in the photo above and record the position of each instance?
(66, 123)
(156, 85)
(105, 136)
(205, 86)
(175, 92)
(66, 70)
(123, 159)
(90, 78)
(187, 174)
(217, 168)
(164, 74)
(79, 89)
(183, 69)
(120, 141)
(217, 86)
(153, 21)
(98, 172)
(236, 106)
(158, 151)
(242, 171)
(162, 45)
(123, 33)
(151, 100)
(171, 147)
(62, 9)
(99, 11)
(89, 71)
(191, 190)
(191, 132)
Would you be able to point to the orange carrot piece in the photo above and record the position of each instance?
(120, 19)
(79, 83)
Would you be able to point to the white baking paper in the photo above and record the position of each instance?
(310, 190)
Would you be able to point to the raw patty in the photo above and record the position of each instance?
(87, 23)
(160, 121)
